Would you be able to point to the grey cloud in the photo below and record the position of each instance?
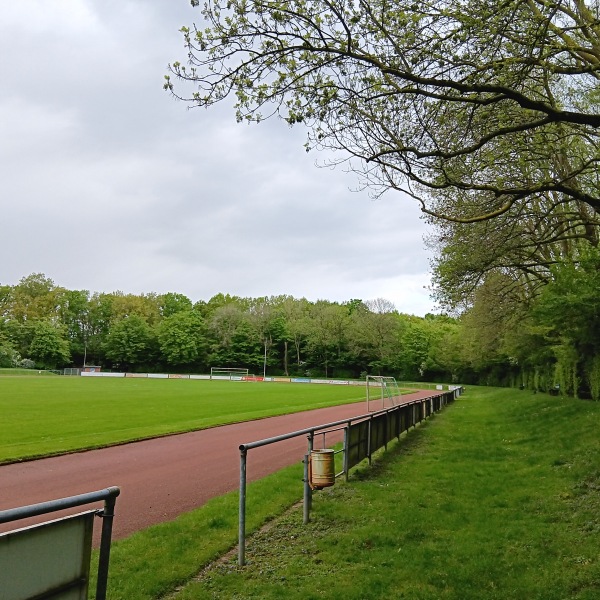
(108, 183)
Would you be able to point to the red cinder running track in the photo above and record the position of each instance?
(165, 477)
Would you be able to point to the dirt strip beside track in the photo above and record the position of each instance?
(165, 477)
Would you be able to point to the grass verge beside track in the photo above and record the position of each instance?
(496, 497)
(43, 416)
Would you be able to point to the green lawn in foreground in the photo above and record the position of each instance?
(495, 498)
(49, 415)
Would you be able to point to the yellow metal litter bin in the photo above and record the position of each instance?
(321, 469)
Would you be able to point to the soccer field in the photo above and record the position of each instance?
(42, 416)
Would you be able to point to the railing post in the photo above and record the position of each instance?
(307, 492)
(346, 450)
(369, 439)
(107, 522)
(386, 429)
(242, 510)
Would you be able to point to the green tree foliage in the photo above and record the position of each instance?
(495, 100)
(375, 334)
(570, 305)
(244, 349)
(226, 326)
(100, 311)
(9, 357)
(48, 348)
(294, 315)
(145, 306)
(265, 323)
(165, 332)
(74, 313)
(327, 327)
(171, 303)
(34, 297)
(108, 309)
(6, 292)
(523, 247)
(414, 348)
(182, 338)
(568, 310)
(445, 360)
(131, 343)
(220, 300)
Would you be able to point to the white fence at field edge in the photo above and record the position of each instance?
(252, 378)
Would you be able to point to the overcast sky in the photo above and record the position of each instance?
(107, 183)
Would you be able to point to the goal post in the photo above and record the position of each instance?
(383, 388)
(228, 373)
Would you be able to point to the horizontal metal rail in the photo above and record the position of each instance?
(244, 448)
(310, 432)
(313, 430)
(42, 508)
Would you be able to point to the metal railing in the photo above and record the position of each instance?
(389, 423)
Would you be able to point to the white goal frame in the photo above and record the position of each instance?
(388, 390)
(228, 373)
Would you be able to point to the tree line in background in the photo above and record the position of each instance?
(506, 335)
(47, 326)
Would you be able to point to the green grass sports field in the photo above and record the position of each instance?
(52, 415)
